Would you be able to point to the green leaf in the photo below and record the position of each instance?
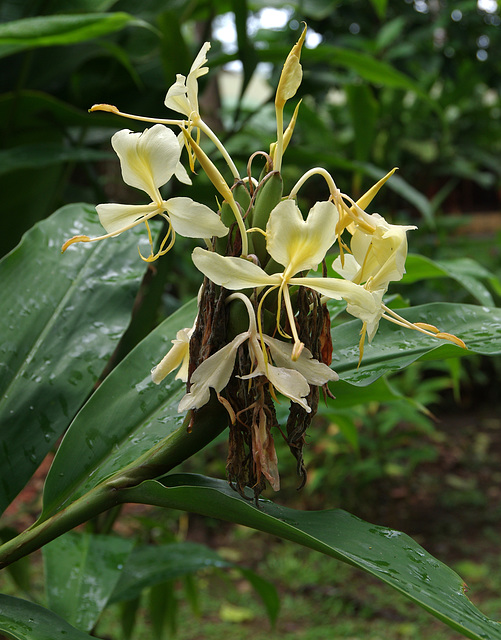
(266, 591)
(24, 620)
(33, 107)
(389, 555)
(149, 566)
(63, 316)
(466, 271)
(348, 396)
(128, 616)
(380, 7)
(128, 417)
(48, 31)
(363, 111)
(81, 572)
(34, 156)
(394, 347)
(367, 67)
(163, 609)
(152, 565)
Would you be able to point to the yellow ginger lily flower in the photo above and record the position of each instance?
(148, 161)
(183, 94)
(377, 259)
(291, 377)
(298, 245)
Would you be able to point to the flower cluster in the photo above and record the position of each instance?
(263, 328)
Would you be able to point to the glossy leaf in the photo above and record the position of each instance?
(126, 417)
(24, 620)
(465, 271)
(394, 347)
(389, 555)
(48, 31)
(363, 109)
(81, 572)
(63, 316)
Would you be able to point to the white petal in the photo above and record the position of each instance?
(338, 289)
(182, 174)
(148, 159)
(286, 381)
(289, 383)
(176, 98)
(350, 270)
(196, 71)
(116, 218)
(215, 373)
(194, 220)
(200, 60)
(301, 244)
(231, 273)
(177, 356)
(315, 372)
(370, 316)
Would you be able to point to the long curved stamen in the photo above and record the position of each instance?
(163, 250)
(260, 324)
(430, 330)
(110, 108)
(109, 235)
(312, 172)
(298, 345)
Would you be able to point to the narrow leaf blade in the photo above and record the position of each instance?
(394, 347)
(24, 620)
(64, 315)
(389, 555)
(81, 572)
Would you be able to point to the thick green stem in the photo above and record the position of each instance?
(208, 423)
(96, 501)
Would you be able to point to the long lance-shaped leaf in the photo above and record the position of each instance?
(394, 347)
(49, 31)
(389, 555)
(128, 415)
(467, 272)
(24, 620)
(81, 572)
(62, 317)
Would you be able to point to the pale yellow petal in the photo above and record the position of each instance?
(315, 372)
(176, 98)
(297, 244)
(231, 273)
(213, 373)
(194, 220)
(177, 356)
(116, 218)
(148, 160)
(339, 289)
